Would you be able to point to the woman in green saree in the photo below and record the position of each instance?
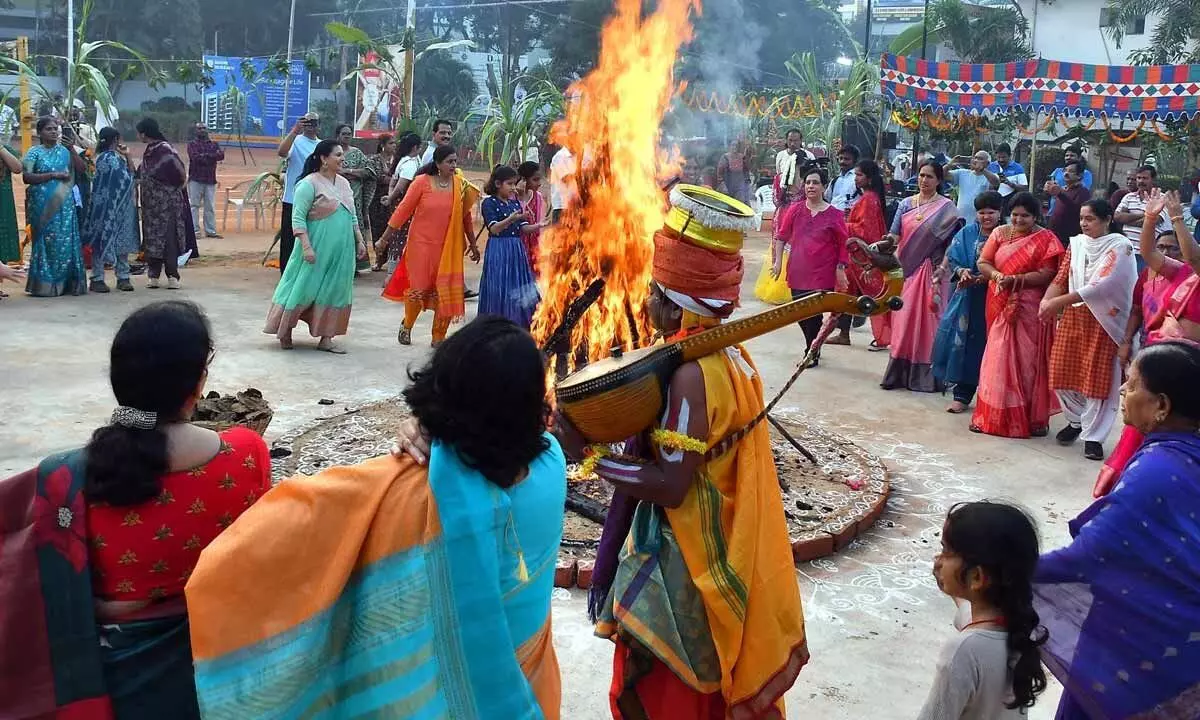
(10, 238)
(357, 168)
(318, 284)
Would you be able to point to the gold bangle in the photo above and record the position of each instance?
(1176, 218)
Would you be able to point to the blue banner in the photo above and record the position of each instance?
(246, 99)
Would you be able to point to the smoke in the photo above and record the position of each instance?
(722, 59)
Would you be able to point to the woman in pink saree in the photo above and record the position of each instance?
(1019, 259)
(923, 228)
(1177, 318)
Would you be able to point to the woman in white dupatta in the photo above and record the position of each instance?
(1094, 293)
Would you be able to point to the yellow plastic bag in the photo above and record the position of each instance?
(770, 289)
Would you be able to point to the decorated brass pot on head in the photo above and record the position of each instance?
(699, 266)
(708, 219)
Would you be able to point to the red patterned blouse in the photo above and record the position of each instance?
(148, 551)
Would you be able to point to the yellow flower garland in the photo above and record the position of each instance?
(678, 441)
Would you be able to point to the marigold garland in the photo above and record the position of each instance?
(1165, 137)
(1050, 120)
(677, 441)
(593, 454)
(1128, 138)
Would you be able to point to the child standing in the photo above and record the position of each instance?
(534, 206)
(992, 669)
(507, 287)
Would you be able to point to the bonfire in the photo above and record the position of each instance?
(612, 129)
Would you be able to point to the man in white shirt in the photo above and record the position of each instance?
(842, 193)
(1012, 175)
(1131, 211)
(443, 131)
(971, 182)
(562, 182)
(787, 161)
(295, 148)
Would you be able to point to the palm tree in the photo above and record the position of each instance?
(976, 33)
(1176, 37)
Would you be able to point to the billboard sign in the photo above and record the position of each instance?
(245, 101)
(378, 102)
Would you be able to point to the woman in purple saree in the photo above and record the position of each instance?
(168, 232)
(1122, 601)
(924, 226)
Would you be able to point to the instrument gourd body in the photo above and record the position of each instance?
(620, 396)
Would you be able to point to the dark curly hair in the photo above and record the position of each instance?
(158, 358)
(484, 394)
(1002, 541)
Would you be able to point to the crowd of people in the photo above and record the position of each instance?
(88, 205)
(418, 210)
(419, 584)
(1022, 312)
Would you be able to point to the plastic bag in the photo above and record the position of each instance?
(770, 289)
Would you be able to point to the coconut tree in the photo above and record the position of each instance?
(1176, 36)
(976, 33)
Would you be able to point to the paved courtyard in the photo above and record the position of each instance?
(875, 616)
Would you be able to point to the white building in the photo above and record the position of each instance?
(1077, 31)
(1066, 30)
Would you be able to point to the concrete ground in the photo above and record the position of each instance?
(875, 617)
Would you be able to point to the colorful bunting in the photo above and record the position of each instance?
(1153, 92)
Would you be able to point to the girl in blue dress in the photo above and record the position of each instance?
(507, 288)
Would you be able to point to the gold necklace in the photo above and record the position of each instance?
(920, 203)
(442, 183)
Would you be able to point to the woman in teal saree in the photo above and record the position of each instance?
(56, 261)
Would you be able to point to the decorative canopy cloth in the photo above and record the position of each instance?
(1158, 92)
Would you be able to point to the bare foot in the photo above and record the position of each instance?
(285, 343)
(956, 408)
(842, 338)
(326, 345)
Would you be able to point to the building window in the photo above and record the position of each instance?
(1135, 26)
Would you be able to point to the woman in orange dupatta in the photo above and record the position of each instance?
(1020, 259)
(429, 275)
(866, 222)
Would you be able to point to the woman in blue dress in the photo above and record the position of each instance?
(110, 224)
(962, 332)
(49, 171)
(507, 288)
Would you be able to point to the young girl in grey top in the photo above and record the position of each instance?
(992, 669)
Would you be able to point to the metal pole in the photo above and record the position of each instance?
(867, 40)
(924, 48)
(410, 56)
(70, 54)
(25, 117)
(287, 78)
(216, 34)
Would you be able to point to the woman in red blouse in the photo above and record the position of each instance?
(126, 518)
(816, 232)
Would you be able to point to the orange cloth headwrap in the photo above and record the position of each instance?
(695, 271)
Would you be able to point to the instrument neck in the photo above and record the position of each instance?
(738, 331)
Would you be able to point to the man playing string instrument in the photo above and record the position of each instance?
(708, 533)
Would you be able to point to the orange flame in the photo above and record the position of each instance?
(612, 131)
